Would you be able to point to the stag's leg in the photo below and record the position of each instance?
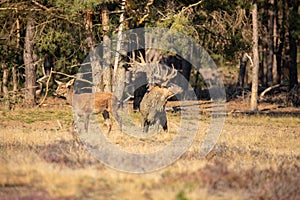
(156, 125)
(107, 120)
(163, 121)
(165, 127)
(145, 125)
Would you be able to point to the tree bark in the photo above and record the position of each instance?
(119, 39)
(15, 79)
(94, 55)
(107, 74)
(293, 61)
(293, 73)
(119, 85)
(261, 71)
(30, 68)
(275, 32)
(254, 89)
(14, 68)
(242, 72)
(5, 80)
(265, 64)
(5, 86)
(280, 42)
(271, 44)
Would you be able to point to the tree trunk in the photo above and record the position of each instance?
(119, 39)
(94, 54)
(280, 35)
(271, 44)
(5, 86)
(15, 79)
(265, 64)
(48, 64)
(5, 80)
(14, 69)
(107, 84)
(254, 89)
(119, 86)
(242, 72)
(293, 61)
(30, 68)
(261, 74)
(293, 73)
(280, 44)
(275, 32)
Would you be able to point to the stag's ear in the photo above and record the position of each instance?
(174, 89)
(70, 83)
(58, 82)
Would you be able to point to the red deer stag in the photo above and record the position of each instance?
(153, 104)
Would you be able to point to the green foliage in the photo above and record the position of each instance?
(222, 27)
(181, 196)
(80, 5)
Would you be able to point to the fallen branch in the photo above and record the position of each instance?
(267, 90)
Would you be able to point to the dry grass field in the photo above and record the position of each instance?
(256, 157)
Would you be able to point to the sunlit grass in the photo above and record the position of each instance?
(39, 156)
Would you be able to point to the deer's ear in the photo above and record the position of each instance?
(70, 83)
(58, 82)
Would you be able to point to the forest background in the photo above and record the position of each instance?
(38, 37)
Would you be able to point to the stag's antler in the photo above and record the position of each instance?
(137, 66)
(156, 73)
(167, 77)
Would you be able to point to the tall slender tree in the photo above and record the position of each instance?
(30, 67)
(254, 89)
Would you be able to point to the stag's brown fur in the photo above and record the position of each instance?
(87, 103)
(152, 108)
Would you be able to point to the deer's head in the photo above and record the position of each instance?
(64, 90)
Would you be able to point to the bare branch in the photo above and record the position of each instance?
(249, 57)
(47, 88)
(40, 5)
(190, 6)
(147, 9)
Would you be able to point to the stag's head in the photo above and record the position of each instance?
(158, 76)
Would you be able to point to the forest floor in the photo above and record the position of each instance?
(256, 157)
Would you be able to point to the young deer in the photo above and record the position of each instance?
(86, 104)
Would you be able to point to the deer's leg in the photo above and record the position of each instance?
(108, 124)
(75, 121)
(107, 120)
(145, 124)
(163, 121)
(86, 122)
